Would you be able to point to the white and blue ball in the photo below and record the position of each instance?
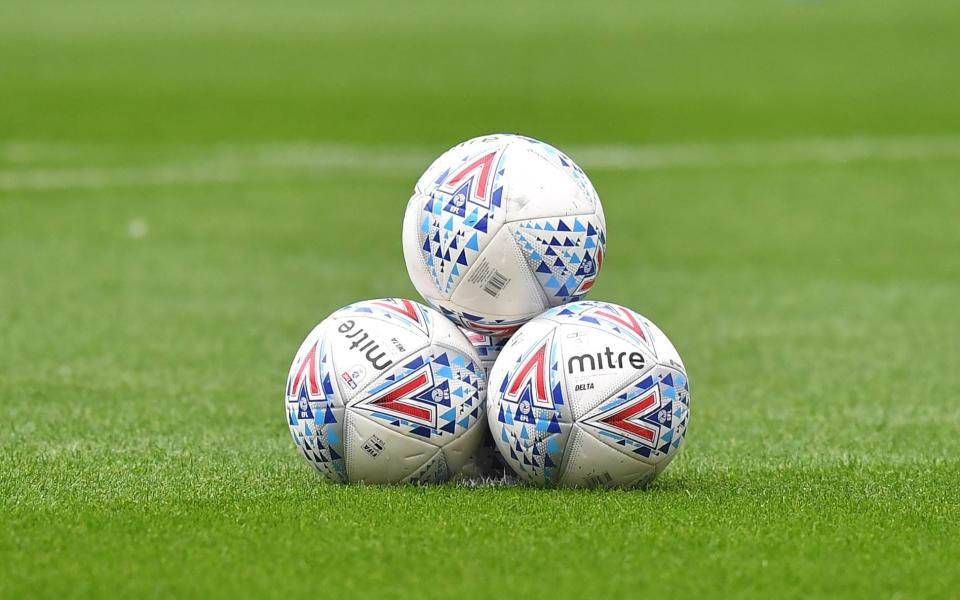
(386, 391)
(501, 228)
(590, 394)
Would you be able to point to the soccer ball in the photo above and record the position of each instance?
(589, 394)
(386, 391)
(500, 228)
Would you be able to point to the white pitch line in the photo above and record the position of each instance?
(97, 178)
(220, 164)
(772, 153)
(223, 164)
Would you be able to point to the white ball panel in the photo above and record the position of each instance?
(447, 334)
(501, 279)
(376, 454)
(539, 187)
(591, 463)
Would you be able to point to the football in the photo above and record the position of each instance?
(501, 228)
(590, 394)
(386, 391)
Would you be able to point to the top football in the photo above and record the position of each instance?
(501, 228)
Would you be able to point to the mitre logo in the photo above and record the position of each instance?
(365, 344)
(608, 359)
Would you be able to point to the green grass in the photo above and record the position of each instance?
(181, 193)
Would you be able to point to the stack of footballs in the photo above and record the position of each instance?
(510, 370)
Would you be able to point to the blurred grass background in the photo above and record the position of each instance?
(187, 187)
(427, 71)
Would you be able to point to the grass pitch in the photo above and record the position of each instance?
(185, 190)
